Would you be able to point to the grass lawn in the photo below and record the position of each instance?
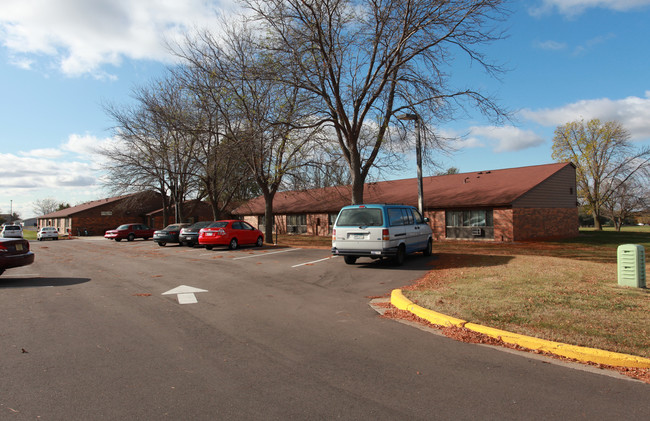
(564, 291)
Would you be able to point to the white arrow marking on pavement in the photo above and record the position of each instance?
(185, 294)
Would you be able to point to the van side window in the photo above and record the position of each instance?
(418, 218)
(395, 217)
(408, 216)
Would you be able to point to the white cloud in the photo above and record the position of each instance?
(505, 138)
(632, 112)
(82, 36)
(85, 145)
(572, 8)
(48, 153)
(551, 45)
(69, 173)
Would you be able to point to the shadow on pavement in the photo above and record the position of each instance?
(8, 282)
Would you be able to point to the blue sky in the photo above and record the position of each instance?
(62, 60)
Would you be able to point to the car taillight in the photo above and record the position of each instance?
(221, 231)
(385, 235)
(3, 248)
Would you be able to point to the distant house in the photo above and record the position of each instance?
(94, 218)
(500, 205)
(27, 223)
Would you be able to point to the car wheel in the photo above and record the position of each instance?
(2, 271)
(118, 239)
(131, 237)
(161, 243)
(401, 255)
(427, 251)
(350, 260)
(233, 244)
(189, 244)
(38, 239)
(208, 247)
(259, 242)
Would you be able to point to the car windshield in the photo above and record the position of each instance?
(219, 224)
(123, 227)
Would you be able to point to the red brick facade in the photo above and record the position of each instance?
(511, 204)
(94, 218)
(531, 224)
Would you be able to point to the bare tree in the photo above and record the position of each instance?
(604, 157)
(269, 122)
(369, 60)
(154, 152)
(223, 176)
(45, 206)
(628, 199)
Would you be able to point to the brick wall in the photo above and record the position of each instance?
(503, 228)
(437, 224)
(317, 224)
(532, 223)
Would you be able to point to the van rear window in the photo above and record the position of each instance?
(367, 217)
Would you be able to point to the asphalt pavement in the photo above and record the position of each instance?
(273, 333)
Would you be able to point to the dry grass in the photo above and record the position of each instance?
(561, 291)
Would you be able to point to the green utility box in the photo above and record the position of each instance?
(631, 265)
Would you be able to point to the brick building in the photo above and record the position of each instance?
(512, 204)
(94, 218)
(193, 211)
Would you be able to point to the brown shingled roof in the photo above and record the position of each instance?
(475, 189)
(63, 213)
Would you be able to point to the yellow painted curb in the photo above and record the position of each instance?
(580, 353)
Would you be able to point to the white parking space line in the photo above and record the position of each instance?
(264, 254)
(312, 262)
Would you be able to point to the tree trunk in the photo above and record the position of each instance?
(597, 224)
(269, 217)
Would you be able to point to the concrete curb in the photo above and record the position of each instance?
(579, 353)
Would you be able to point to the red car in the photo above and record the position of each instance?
(231, 233)
(129, 232)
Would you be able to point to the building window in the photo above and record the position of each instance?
(296, 224)
(469, 223)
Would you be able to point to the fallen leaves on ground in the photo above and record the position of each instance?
(463, 334)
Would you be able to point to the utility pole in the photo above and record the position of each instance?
(418, 156)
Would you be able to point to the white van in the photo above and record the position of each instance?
(380, 231)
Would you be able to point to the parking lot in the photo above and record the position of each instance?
(92, 331)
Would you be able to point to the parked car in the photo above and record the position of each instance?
(47, 232)
(14, 252)
(380, 231)
(189, 236)
(11, 231)
(129, 232)
(169, 234)
(231, 233)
